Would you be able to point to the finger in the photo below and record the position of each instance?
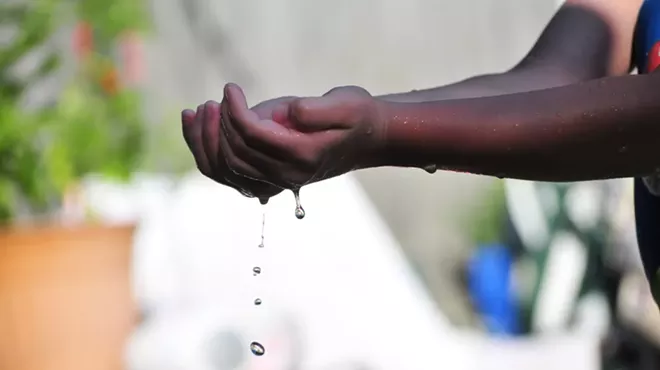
(269, 159)
(240, 148)
(192, 133)
(211, 132)
(231, 144)
(238, 108)
(266, 135)
(258, 165)
(244, 173)
(191, 122)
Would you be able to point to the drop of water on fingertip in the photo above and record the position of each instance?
(431, 168)
(257, 349)
(256, 271)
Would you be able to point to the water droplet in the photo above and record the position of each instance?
(300, 212)
(257, 349)
(256, 271)
(623, 149)
(499, 175)
(257, 302)
(431, 168)
(263, 228)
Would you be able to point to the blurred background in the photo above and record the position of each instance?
(116, 254)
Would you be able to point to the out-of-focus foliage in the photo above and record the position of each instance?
(93, 125)
(486, 224)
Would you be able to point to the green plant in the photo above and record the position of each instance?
(486, 223)
(94, 126)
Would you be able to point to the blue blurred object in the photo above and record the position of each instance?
(647, 205)
(647, 34)
(489, 281)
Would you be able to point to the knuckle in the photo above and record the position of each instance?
(335, 90)
(351, 90)
(301, 110)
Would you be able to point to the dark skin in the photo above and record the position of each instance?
(568, 111)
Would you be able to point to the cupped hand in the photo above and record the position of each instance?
(304, 140)
(203, 134)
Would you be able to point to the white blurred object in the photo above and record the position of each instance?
(338, 271)
(592, 315)
(526, 212)
(211, 339)
(336, 288)
(584, 203)
(562, 278)
(565, 352)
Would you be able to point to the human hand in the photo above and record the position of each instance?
(203, 134)
(304, 140)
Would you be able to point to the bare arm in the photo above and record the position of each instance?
(585, 39)
(605, 128)
(602, 128)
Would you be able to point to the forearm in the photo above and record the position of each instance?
(601, 129)
(513, 81)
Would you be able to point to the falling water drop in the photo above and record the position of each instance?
(431, 168)
(300, 212)
(257, 349)
(257, 302)
(256, 271)
(263, 227)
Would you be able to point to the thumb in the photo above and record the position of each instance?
(238, 107)
(319, 113)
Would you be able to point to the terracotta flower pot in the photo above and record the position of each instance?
(65, 297)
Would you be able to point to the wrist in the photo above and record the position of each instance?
(419, 135)
(376, 148)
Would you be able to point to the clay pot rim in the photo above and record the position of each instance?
(52, 228)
